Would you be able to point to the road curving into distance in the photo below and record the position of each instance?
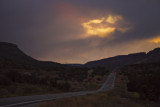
(27, 100)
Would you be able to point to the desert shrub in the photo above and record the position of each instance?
(144, 79)
(4, 81)
(77, 74)
(65, 86)
(14, 76)
(101, 71)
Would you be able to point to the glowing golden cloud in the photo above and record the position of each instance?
(113, 19)
(95, 21)
(101, 32)
(102, 27)
(155, 40)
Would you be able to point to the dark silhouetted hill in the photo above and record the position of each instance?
(152, 56)
(10, 54)
(21, 74)
(119, 61)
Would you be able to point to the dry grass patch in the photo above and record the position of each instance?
(95, 100)
(118, 97)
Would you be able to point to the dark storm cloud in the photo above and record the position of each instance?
(143, 14)
(25, 22)
(43, 29)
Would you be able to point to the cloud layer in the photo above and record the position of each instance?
(74, 31)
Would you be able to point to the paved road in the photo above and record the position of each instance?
(27, 100)
(109, 83)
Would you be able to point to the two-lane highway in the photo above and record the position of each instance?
(109, 83)
(26, 100)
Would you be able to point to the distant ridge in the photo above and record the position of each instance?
(152, 56)
(121, 60)
(10, 53)
(75, 65)
(117, 61)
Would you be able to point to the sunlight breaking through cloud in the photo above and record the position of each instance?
(113, 19)
(155, 40)
(102, 27)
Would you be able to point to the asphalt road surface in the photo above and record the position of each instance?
(29, 101)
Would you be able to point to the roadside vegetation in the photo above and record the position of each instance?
(20, 80)
(118, 97)
(144, 79)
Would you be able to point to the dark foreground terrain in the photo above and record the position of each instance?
(138, 80)
(22, 75)
(144, 79)
(118, 97)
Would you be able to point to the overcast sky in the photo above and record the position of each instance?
(77, 31)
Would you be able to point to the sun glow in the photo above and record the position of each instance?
(102, 32)
(113, 19)
(102, 27)
(155, 40)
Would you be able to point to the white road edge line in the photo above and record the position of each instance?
(37, 101)
(25, 103)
